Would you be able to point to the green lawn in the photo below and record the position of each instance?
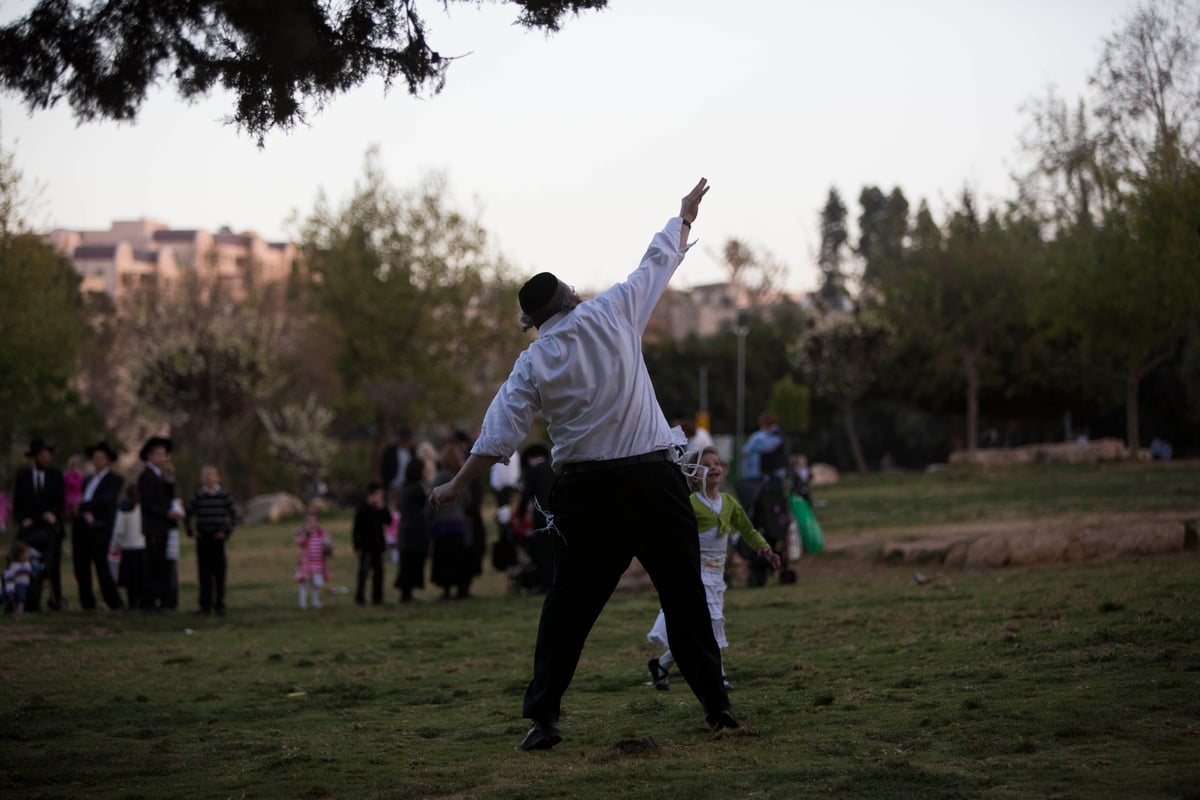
(1060, 681)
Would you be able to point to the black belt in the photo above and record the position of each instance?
(577, 467)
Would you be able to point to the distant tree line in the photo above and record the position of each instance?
(1080, 295)
(1074, 304)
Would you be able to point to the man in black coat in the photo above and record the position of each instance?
(155, 493)
(38, 500)
(93, 531)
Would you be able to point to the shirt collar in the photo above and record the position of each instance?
(553, 322)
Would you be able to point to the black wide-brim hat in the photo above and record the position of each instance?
(103, 447)
(37, 445)
(153, 442)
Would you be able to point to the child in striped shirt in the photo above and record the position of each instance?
(312, 570)
(211, 517)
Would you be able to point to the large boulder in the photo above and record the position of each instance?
(273, 507)
(823, 475)
(1082, 452)
(1049, 453)
(995, 457)
(992, 547)
(635, 577)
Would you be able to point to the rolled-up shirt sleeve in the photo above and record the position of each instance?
(510, 413)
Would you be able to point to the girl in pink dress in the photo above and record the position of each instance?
(312, 569)
(73, 481)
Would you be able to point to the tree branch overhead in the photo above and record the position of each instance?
(281, 58)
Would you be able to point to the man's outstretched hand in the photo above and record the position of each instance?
(689, 207)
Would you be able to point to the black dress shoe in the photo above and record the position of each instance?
(659, 675)
(718, 720)
(542, 736)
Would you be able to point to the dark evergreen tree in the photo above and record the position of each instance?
(831, 261)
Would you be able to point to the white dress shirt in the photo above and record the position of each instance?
(586, 374)
(92, 483)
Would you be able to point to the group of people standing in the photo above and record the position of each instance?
(444, 545)
(451, 540)
(123, 534)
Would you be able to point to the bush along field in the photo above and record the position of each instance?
(1065, 680)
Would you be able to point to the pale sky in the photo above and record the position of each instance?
(573, 149)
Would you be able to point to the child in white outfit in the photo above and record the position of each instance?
(717, 515)
(312, 569)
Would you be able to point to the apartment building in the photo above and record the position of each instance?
(145, 254)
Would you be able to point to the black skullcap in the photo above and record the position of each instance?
(536, 292)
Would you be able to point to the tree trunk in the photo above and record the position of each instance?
(253, 481)
(971, 372)
(852, 435)
(382, 432)
(1133, 382)
(1132, 434)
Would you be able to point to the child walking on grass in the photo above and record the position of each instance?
(129, 544)
(312, 569)
(717, 515)
(18, 576)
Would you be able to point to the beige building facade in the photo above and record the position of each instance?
(135, 256)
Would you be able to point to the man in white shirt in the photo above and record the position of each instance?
(620, 493)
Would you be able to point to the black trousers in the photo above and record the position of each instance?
(89, 550)
(211, 564)
(132, 576)
(158, 574)
(605, 519)
(411, 573)
(373, 563)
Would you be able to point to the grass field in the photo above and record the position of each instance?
(1061, 681)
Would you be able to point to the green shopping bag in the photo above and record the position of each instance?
(810, 531)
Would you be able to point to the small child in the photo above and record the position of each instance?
(391, 534)
(717, 515)
(312, 571)
(129, 543)
(211, 518)
(18, 576)
(73, 482)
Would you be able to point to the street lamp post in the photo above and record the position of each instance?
(743, 319)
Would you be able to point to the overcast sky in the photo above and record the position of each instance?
(572, 150)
